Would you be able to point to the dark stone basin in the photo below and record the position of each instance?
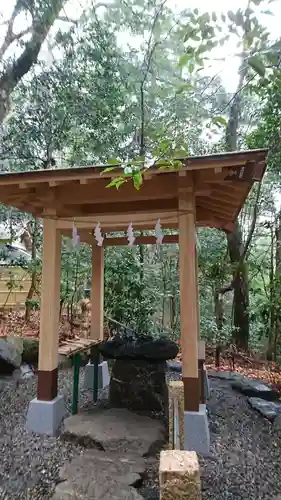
(141, 348)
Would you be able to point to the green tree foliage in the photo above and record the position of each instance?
(129, 81)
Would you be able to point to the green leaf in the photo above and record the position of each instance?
(184, 60)
(257, 65)
(191, 66)
(108, 169)
(219, 120)
(267, 12)
(116, 182)
(214, 17)
(184, 87)
(231, 16)
(137, 180)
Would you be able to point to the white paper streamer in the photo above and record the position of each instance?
(98, 236)
(130, 235)
(75, 236)
(159, 233)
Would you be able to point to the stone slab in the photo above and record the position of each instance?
(196, 431)
(100, 475)
(268, 409)
(116, 429)
(45, 417)
(255, 388)
(225, 375)
(141, 348)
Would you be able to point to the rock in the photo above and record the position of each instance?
(268, 409)
(139, 386)
(255, 388)
(96, 474)
(116, 429)
(103, 475)
(26, 372)
(10, 357)
(174, 366)
(227, 375)
(149, 493)
(143, 348)
(30, 351)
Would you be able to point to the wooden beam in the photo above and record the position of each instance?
(140, 240)
(111, 223)
(188, 295)
(221, 209)
(49, 312)
(122, 207)
(97, 191)
(97, 297)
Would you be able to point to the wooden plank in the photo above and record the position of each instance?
(70, 347)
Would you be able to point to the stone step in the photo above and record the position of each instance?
(116, 429)
(101, 475)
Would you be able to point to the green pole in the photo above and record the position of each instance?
(95, 358)
(76, 368)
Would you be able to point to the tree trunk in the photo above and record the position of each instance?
(218, 306)
(18, 67)
(234, 240)
(240, 335)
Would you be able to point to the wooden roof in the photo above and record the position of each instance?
(222, 182)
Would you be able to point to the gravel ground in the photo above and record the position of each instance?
(29, 464)
(245, 458)
(244, 463)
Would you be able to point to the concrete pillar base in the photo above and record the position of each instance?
(103, 376)
(196, 431)
(206, 384)
(45, 417)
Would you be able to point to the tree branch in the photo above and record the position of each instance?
(20, 66)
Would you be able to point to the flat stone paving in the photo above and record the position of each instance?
(112, 463)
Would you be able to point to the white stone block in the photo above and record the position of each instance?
(45, 417)
(103, 376)
(196, 431)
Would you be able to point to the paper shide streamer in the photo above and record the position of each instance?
(159, 233)
(98, 235)
(75, 236)
(130, 235)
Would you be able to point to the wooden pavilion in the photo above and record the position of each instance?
(205, 191)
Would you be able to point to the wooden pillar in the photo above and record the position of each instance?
(188, 292)
(49, 312)
(97, 292)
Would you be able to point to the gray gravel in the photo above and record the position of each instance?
(245, 458)
(245, 452)
(29, 463)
